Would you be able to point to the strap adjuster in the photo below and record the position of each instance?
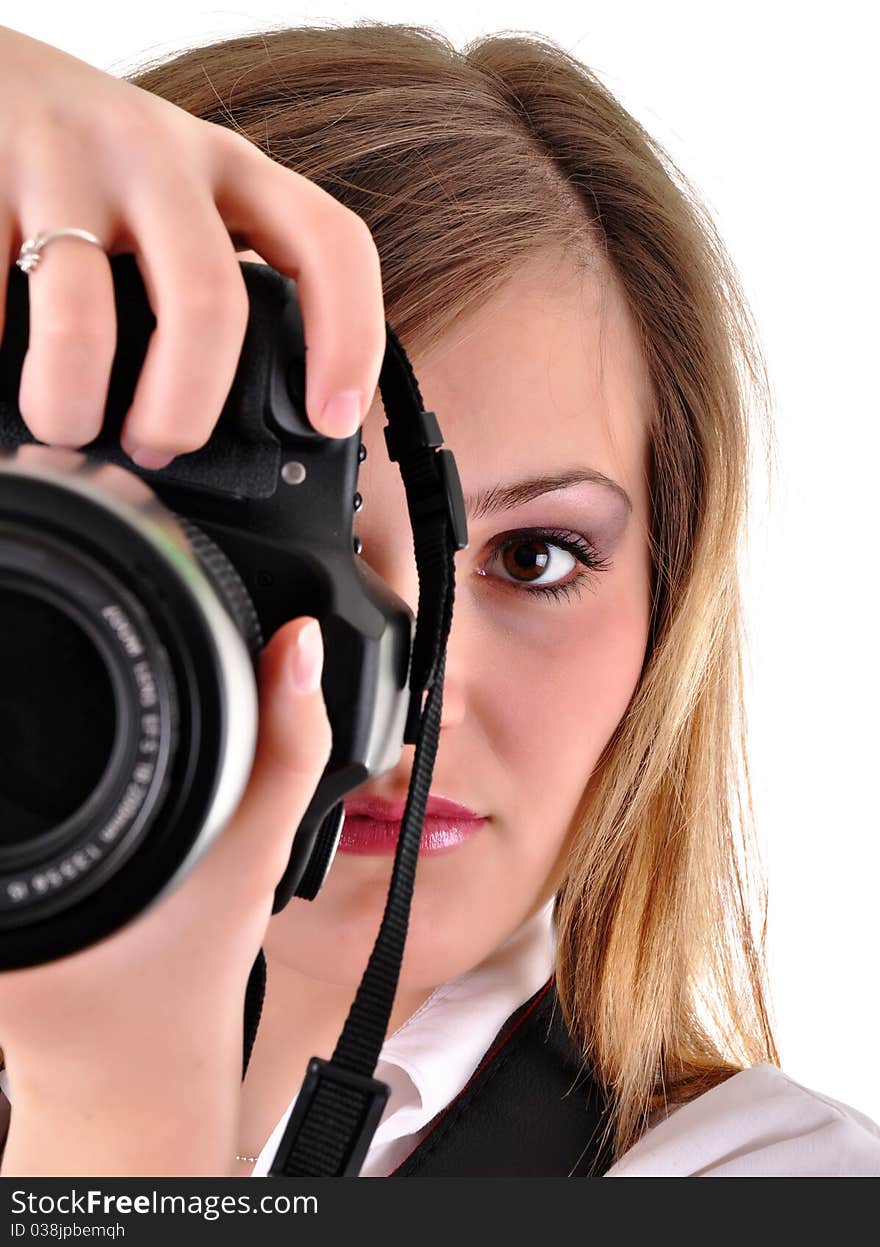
(319, 1074)
(445, 498)
(411, 437)
(451, 485)
(408, 436)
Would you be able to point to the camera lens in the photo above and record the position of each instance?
(128, 706)
(57, 715)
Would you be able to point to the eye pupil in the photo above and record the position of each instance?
(528, 561)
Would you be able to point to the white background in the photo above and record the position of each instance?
(769, 109)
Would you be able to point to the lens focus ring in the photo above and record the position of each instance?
(227, 583)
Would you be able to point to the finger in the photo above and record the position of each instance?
(306, 233)
(293, 746)
(72, 322)
(6, 262)
(198, 296)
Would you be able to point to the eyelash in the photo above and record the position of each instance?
(578, 546)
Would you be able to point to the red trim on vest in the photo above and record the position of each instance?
(487, 1060)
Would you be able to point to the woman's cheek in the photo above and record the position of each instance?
(559, 680)
(532, 650)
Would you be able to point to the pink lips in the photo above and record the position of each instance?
(372, 825)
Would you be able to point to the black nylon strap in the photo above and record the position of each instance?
(253, 1007)
(340, 1103)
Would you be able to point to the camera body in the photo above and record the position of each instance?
(167, 585)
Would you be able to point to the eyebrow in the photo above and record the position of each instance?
(517, 493)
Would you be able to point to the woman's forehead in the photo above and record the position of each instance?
(546, 375)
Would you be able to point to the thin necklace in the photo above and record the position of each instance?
(251, 1159)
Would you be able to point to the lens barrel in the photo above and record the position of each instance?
(128, 703)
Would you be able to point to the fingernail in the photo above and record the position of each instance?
(342, 414)
(150, 459)
(307, 659)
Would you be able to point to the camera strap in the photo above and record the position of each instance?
(531, 1109)
(340, 1103)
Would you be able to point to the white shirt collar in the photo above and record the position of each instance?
(441, 1045)
(428, 1059)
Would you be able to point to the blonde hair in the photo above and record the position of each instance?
(465, 163)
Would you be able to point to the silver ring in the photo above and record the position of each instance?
(31, 248)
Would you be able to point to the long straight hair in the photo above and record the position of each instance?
(464, 164)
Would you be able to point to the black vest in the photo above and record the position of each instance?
(529, 1110)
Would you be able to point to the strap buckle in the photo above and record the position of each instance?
(320, 1074)
(409, 438)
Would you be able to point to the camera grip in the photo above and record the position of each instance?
(242, 457)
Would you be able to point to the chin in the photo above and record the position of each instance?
(451, 927)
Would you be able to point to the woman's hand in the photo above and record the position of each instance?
(166, 978)
(125, 1058)
(81, 148)
(159, 1004)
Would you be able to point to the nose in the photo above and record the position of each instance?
(385, 530)
(453, 711)
(406, 585)
(397, 567)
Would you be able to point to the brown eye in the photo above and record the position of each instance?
(527, 557)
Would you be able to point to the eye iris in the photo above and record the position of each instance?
(528, 561)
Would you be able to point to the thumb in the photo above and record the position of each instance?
(294, 741)
(294, 736)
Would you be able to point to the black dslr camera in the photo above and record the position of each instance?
(133, 607)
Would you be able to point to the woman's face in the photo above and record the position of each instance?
(544, 381)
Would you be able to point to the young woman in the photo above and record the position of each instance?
(573, 318)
